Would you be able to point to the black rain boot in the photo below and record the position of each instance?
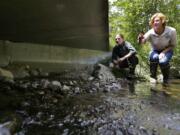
(132, 70)
(153, 70)
(165, 69)
(131, 74)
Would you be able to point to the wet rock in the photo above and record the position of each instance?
(176, 116)
(112, 87)
(91, 78)
(106, 89)
(55, 100)
(44, 74)
(34, 122)
(44, 83)
(96, 85)
(71, 83)
(60, 124)
(9, 127)
(21, 74)
(132, 131)
(6, 75)
(7, 85)
(35, 72)
(56, 83)
(143, 130)
(65, 132)
(154, 131)
(4, 131)
(65, 88)
(118, 132)
(77, 90)
(25, 104)
(35, 85)
(103, 73)
(23, 86)
(55, 86)
(75, 82)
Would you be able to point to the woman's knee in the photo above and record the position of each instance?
(153, 57)
(165, 60)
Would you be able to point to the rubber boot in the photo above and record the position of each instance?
(153, 70)
(132, 66)
(131, 74)
(165, 69)
(132, 70)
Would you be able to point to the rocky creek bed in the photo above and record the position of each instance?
(89, 103)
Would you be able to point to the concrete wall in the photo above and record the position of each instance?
(69, 23)
(53, 34)
(48, 58)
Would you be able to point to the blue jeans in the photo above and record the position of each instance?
(154, 57)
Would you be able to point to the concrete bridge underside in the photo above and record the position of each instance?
(53, 31)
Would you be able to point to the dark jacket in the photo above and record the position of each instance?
(120, 51)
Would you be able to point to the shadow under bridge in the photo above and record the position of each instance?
(55, 32)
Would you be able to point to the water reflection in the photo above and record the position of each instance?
(145, 89)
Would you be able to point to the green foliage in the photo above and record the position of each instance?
(130, 17)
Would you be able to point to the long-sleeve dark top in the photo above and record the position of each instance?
(120, 51)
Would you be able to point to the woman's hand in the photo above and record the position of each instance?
(140, 38)
(120, 60)
(161, 56)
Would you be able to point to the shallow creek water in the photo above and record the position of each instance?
(138, 108)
